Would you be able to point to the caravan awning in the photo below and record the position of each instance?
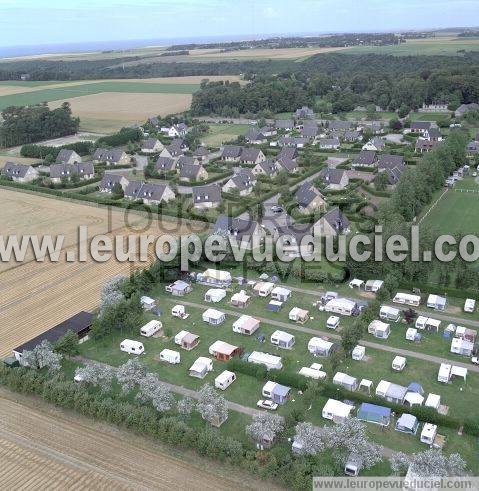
(459, 371)
(414, 398)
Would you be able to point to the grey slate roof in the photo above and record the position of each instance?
(434, 132)
(394, 166)
(420, 125)
(337, 125)
(254, 134)
(305, 194)
(288, 153)
(186, 160)
(249, 155)
(329, 142)
(165, 164)
(150, 143)
(145, 190)
(309, 131)
(190, 171)
(365, 157)
(287, 164)
(206, 194)
(284, 124)
(11, 169)
(238, 227)
(231, 152)
(337, 219)
(332, 176)
(242, 181)
(108, 154)
(64, 155)
(201, 152)
(109, 180)
(269, 167)
(57, 171)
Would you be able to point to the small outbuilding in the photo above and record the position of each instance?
(298, 315)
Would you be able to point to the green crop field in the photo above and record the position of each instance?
(441, 45)
(59, 93)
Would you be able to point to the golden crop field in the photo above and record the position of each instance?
(109, 111)
(19, 160)
(35, 296)
(47, 449)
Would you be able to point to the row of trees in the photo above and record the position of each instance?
(26, 124)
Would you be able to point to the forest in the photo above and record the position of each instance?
(35, 123)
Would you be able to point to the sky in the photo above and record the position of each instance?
(41, 22)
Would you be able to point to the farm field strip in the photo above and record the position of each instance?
(95, 457)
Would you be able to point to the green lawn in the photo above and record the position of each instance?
(221, 133)
(58, 93)
(458, 210)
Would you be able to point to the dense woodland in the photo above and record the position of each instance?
(35, 123)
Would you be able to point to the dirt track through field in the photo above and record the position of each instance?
(40, 449)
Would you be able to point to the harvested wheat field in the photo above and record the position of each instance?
(34, 296)
(19, 160)
(42, 448)
(109, 111)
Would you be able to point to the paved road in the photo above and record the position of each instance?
(368, 344)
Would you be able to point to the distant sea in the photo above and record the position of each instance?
(29, 50)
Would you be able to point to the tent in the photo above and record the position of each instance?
(459, 372)
(415, 387)
(213, 317)
(346, 381)
(280, 293)
(391, 392)
(246, 325)
(358, 353)
(373, 413)
(336, 411)
(240, 299)
(274, 306)
(413, 398)
(433, 400)
(276, 392)
(407, 423)
(215, 295)
(367, 384)
(282, 339)
(214, 277)
(355, 283)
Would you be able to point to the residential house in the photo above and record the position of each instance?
(177, 130)
(423, 145)
(191, 172)
(149, 193)
(284, 124)
(293, 141)
(365, 158)
(465, 108)
(309, 131)
(84, 171)
(243, 182)
(340, 126)
(331, 224)
(165, 164)
(310, 199)
(288, 165)
(245, 232)
(335, 179)
(255, 137)
(208, 196)
(290, 153)
(393, 165)
(376, 144)
(421, 127)
(266, 168)
(252, 156)
(201, 154)
(109, 181)
(175, 149)
(151, 145)
(351, 136)
(304, 113)
(231, 153)
(329, 143)
(433, 134)
(20, 172)
(377, 127)
(66, 156)
(296, 239)
(111, 156)
(435, 107)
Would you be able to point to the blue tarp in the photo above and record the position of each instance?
(374, 413)
(415, 387)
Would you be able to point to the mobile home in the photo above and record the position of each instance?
(263, 289)
(213, 317)
(314, 371)
(223, 351)
(428, 433)
(147, 303)
(461, 347)
(240, 299)
(151, 328)
(224, 379)
(379, 329)
(469, 305)
(407, 299)
(132, 347)
(215, 295)
(187, 340)
(276, 392)
(170, 356)
(336, 411)
(282, 339)
(436, 302)
(341, 306)
(246, 325)
(281, 294)
(399, 363)
(271, 362)
(389, 313)
(321, 347)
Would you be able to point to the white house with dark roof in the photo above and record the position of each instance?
(252, 156)
(149, 193)
(207, 196)
(266, 168)
(84, 171)
(193, 172)
(393, 165)
(254, 137)
(231, 153)
(296, 239)
(111, 156)
(331, 224)
(177, 130)
(66, 156)
(309, 198)
(244, 232)
(165, 164)
(329, 143)
(109, 181)
(20, 172)
(421, 127)
(244, 182)
(151, 145)
(376, 144)
(365, 158)
(335, 179)
(284, 124)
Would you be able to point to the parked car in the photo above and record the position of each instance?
(267, 404)
(277, 209)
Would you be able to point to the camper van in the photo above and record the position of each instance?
(132, 347)
(170, 356)
(151, 328)
(224, 379)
